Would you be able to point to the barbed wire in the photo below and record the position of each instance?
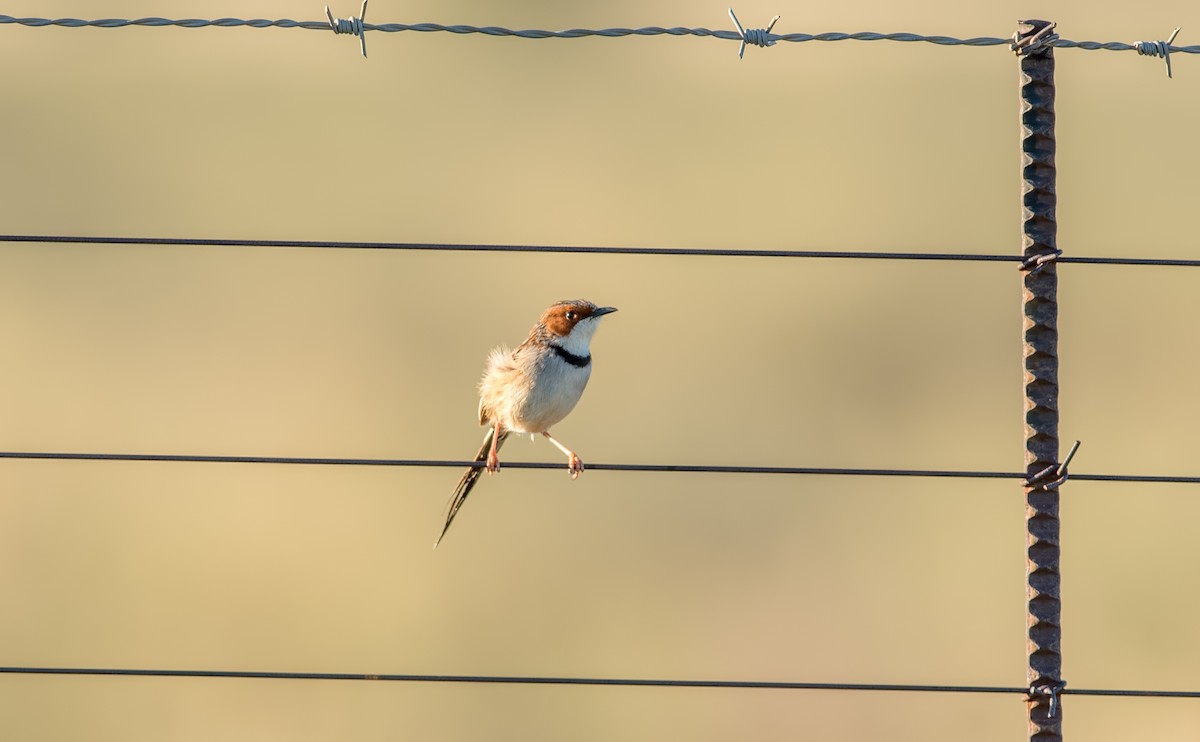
(679, 468)
(585, 249)
(767, 38)
(572, 33)
(567, 680)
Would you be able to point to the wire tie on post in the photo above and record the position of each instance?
(352, 25)
(755, 36)
(1037, 262)
(1052, 689)
(1055, 475)
(1158, 49)
(1024, 47)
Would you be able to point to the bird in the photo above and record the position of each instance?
(532, 388)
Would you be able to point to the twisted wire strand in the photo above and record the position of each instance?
(572, 33)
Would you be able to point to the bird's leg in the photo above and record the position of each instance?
(493, 459)
(574, 463)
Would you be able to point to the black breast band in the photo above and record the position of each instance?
(571, 358)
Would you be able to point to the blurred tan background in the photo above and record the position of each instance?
(290, 134)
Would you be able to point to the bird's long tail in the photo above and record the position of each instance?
(469, 478)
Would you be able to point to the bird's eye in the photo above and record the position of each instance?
(570, 316)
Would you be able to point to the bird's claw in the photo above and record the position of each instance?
(493, 463)
(575, 466)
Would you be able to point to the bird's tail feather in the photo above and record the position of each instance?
(469, 478)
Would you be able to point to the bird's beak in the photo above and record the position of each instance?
(601, 311)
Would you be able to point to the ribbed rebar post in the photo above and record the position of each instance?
(1039, 299)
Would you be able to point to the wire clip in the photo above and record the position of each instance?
(1053, 476)
(755, 36)
(351, 25)
(1048, 688)
(1035, 263)
(1158, 49)
(1023, 47)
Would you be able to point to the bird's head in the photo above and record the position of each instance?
(571, 323)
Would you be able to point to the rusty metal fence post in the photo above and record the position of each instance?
(1040, 326)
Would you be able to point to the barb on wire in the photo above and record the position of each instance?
(352, 25)
(1158, 49)
(755, 36)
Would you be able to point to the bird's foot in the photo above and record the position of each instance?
(493, 462)
(574, 465)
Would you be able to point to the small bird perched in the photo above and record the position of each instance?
(529, 389)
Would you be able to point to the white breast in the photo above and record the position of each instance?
(556, 388)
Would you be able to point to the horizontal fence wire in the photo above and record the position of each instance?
(680, 468)
(553, 680)
(582, 249)
(575, 33)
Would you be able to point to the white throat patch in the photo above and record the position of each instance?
(578, 341)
